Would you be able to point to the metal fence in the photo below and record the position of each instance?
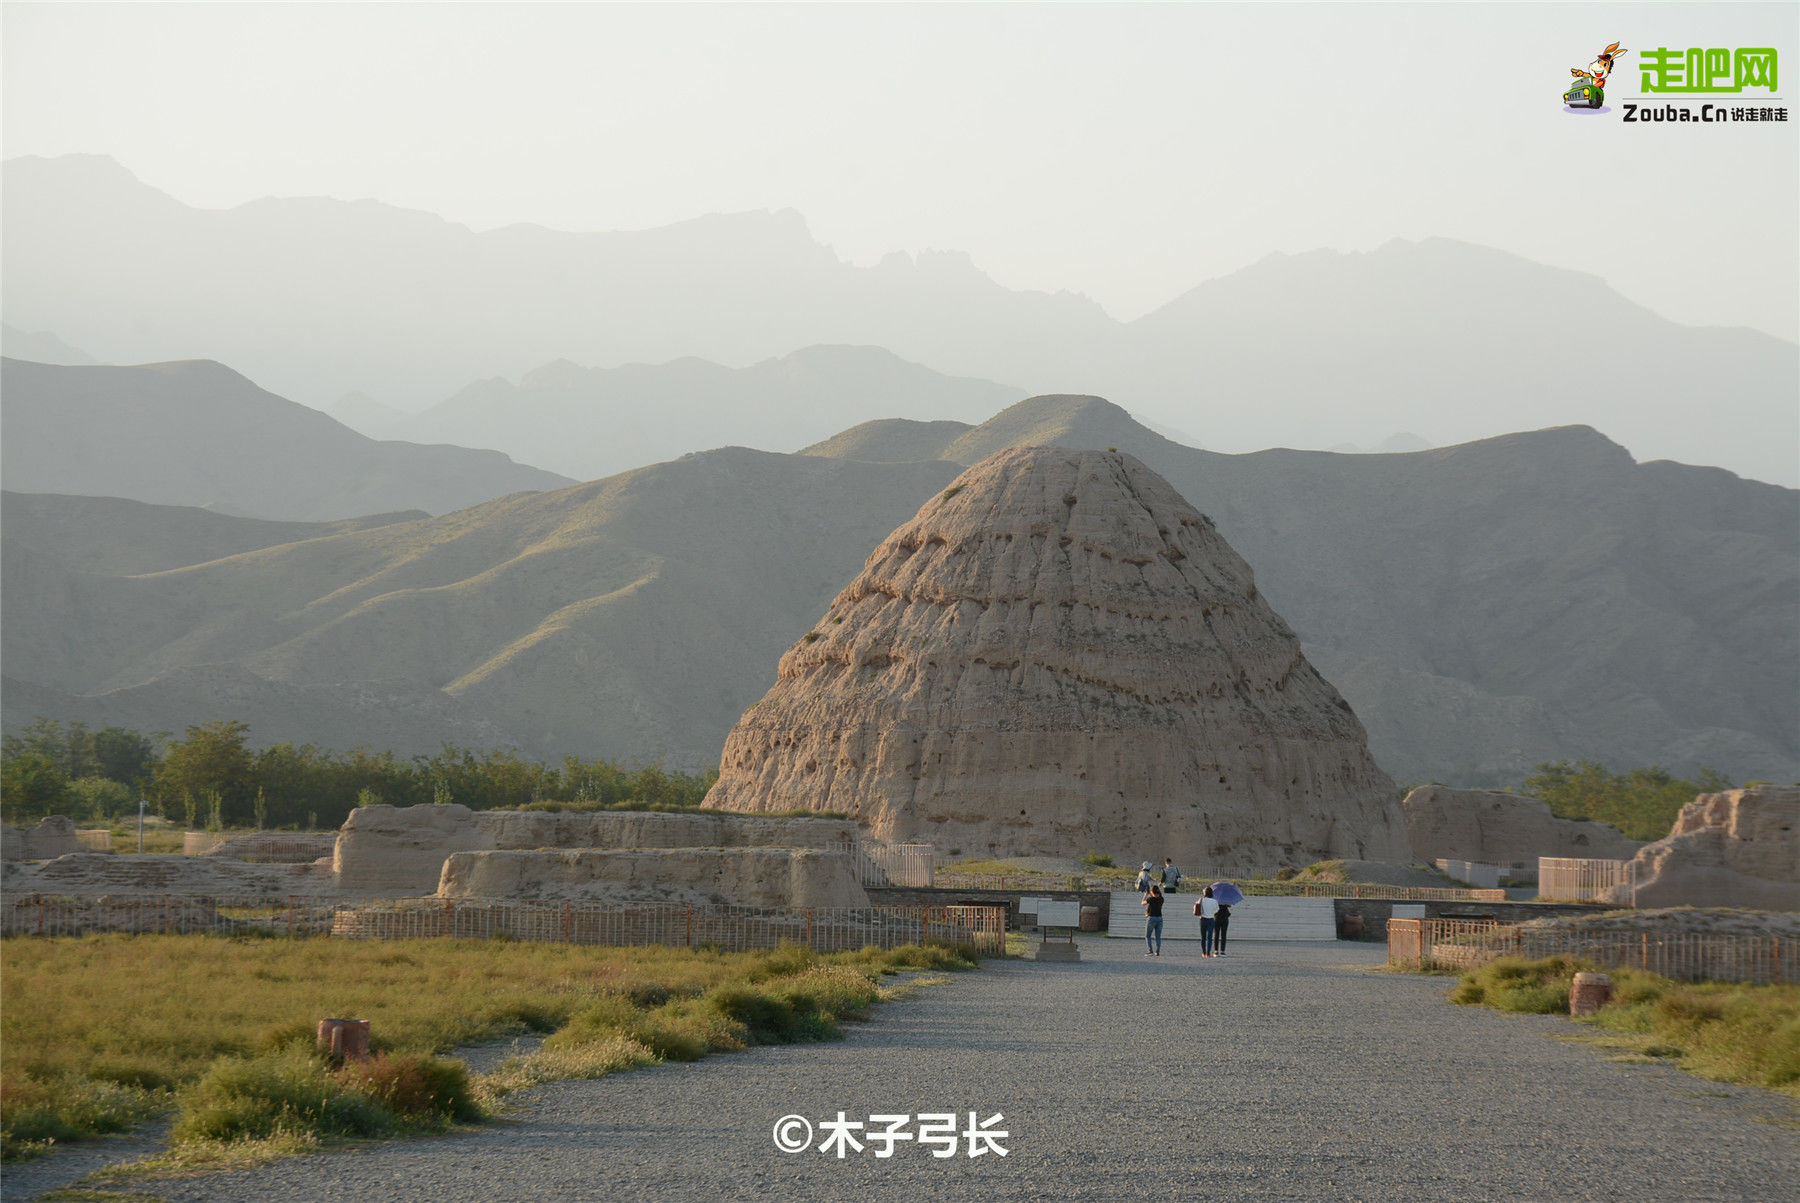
(1691, 956)
(274, 850)
(727, 928)
(168, 914)
(1265, 888)
(879, 864)
(1575, 879)
(95, 839)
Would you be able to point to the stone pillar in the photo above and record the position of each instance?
(344, 1039)
(1590, 992)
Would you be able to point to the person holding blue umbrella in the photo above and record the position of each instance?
(1227, 896)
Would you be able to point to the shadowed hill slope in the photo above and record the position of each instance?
(197, 433)
(631, 617)
(1483, 607)
(112, 536)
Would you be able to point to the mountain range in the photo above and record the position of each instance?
(199, 434)
(319, 299)
(594, 422)
(1483, 607)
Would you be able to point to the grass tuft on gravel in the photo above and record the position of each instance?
(1723, 1031)
(103, 1032)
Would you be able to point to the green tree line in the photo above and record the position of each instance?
(212, 777)
(1641, 803)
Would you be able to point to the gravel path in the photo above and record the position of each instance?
(1281, 1072)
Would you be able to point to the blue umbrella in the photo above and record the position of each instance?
(1226, 894)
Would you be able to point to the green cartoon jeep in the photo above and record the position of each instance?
(1584, 95)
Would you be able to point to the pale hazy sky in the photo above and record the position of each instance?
(1127, 152)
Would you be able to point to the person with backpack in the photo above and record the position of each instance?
(1171, 876)
(1143, 881)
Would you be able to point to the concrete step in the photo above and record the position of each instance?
(1252, 919)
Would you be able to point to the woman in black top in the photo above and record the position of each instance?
(1220, 922)
(1153, 904)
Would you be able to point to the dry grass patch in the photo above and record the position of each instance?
(1723, 1031)
(102, 1032)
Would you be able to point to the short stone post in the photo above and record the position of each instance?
(344, 1039)
(1590, 992)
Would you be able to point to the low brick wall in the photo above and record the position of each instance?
(898, 896)
(1375, 913)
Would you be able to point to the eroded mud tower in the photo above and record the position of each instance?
(1056, 654)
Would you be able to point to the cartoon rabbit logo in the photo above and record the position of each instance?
(1589, 90)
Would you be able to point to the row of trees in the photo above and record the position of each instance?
(212, 777)
(1642, 803)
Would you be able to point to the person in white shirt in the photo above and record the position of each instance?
(1208, 910)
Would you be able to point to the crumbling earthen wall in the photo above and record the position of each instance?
(1493, 828)
(396, 851)
(88, 873)
(1739, 848)
(763, 877)
(52, 837)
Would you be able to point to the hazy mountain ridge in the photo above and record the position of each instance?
(594, 422)
(39, 346)
(198, 433)
(1456, 341)
(1483, 607)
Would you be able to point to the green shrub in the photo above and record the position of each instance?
(414, 1086)
(288, 1091)
(674, 1036)
(834, 991)
(784, 961)
(1512, 984)
(286, 1035)
(39, 1112)
(952, 957)
(1099, 860)
(641, 992)
(1725, 1031)
(765, 1018)
(134, 1074)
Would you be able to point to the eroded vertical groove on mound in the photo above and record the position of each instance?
(1059, 653)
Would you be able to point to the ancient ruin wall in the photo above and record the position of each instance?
(762, 877)
(397, 851)
(54, 836)
(1502, 829)
(1739, 848)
